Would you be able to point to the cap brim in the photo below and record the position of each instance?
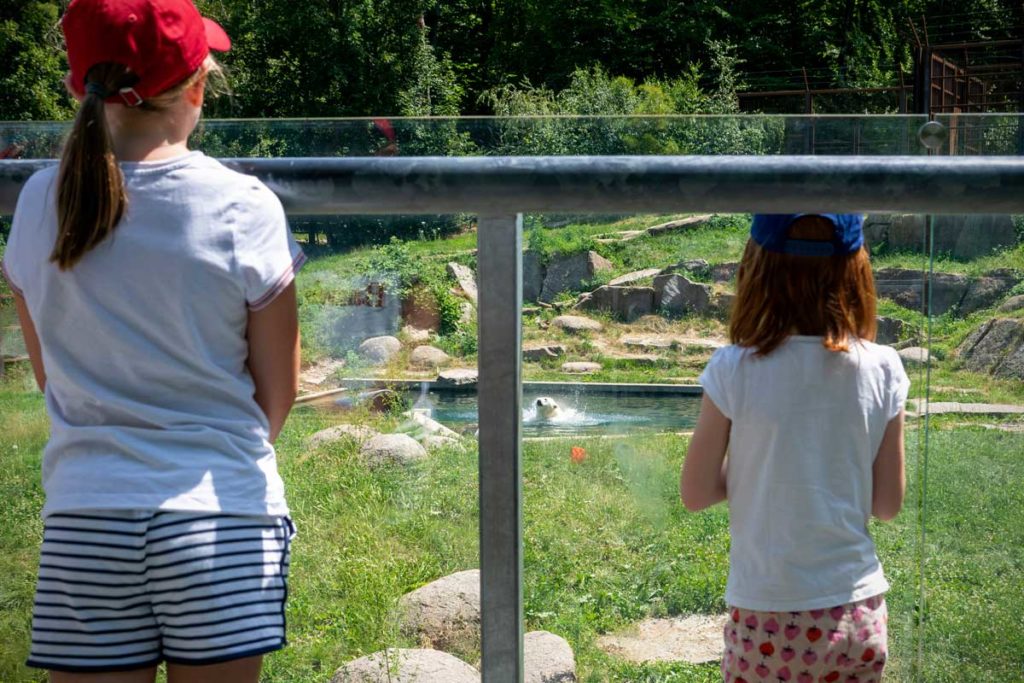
(216, 37)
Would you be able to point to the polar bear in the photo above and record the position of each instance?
(547, 408)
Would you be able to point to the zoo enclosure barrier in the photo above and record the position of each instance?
(501, 189)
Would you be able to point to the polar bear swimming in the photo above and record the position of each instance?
(547, 408)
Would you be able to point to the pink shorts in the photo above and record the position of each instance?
(843, 644)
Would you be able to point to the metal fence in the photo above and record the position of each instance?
(500, 189)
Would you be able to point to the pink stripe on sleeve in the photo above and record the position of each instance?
(280, 285)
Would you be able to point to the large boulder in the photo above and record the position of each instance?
(457, 378)
(625, 303)
(997, 347)
(533, 275)
(697, 267)
(675, 294)
(407, 666)
(379, 350)
(386, 449)
(444, 614)
(466, 279)
(547, 658)
(543, 352)
(889, 330)
(962, 237)
(688, 223)
(986, 290)
(571, 273)
(907, 288)
(635, 276)
(342, 432)
(1014, 303)
(428, 357)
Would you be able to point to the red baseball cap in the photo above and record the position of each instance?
(163, 42)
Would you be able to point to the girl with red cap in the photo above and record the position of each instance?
(801, 431)
(155, 291)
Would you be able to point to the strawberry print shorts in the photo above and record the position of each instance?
(844, 644)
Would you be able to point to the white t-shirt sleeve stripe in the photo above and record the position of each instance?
(282, 283)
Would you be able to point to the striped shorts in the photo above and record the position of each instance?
(122, 590)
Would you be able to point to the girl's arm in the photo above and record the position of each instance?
(888, 473)
(274, 356)
(28, 331)
(702, 482)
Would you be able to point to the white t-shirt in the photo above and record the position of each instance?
(143, 340)
(806, 426)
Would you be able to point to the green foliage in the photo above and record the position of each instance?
(424, 284)
(32, 62)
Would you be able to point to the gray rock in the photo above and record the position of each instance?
(467, 313)
(444, 613)
(625, 303)
(889, 330)
(433, 442)
(542, 352)
(547, 658)
(356, 433)
(466, 279)
(571, 273)
(876, 228)
(458, 377)
(1014, 303)
(635, 276)
(724, 272)
(997, 347)
(986, 291)
(675, 294)
(962, 237)
(415, 335)
(428, 357)
(379, 350)
(914, 355)
(907, 287)
(687, 223)
(533, 275)
(580, 367)
(576, 323)
(384, 449)
(428, 425)
(407, 666)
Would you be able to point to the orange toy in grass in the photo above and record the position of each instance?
(578, 454)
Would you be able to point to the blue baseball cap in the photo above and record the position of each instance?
(769, 231)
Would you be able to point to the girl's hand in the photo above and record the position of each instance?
(702, 482)
(274, 356)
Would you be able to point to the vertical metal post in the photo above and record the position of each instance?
(499, 263)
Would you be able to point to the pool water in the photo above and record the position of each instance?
(578, 413)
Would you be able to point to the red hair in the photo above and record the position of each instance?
(778, 295)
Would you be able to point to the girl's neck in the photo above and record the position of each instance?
(135, 149)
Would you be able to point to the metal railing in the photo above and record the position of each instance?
(500, 189)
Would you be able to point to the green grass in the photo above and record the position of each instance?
(606, 544)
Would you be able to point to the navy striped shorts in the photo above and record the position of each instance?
(122, 590)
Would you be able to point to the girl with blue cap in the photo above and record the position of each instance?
(801, 432)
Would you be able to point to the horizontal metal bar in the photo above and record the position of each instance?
(766, 184)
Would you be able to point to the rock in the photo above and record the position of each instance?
(985, 291)
(635, 276)
(625, 303)
(687, 223)
(547, 658)
(317, 374)
(428, 357)
(571, 273)
(467, 314)
(444, 614)
(357, 433)
(428, 425)
(915, 354)
(407, 666)
(580, 367)
(906, 287)
(1014, 303)
(466, 279)
(697, 267)
(724, 272)
(962, 237)
(997, 347)
(415, 335)
(533, 275)
(433, 442)
(458, 377)
(379, 350)
(889, 330)
(675, 294)
(576, 323)
(695, 639)
(386, 449)
(542, 352)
